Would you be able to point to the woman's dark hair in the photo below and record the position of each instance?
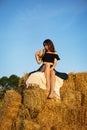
(50, 45)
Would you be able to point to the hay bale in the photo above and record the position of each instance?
(11, 104)
(23, 114)
(25, 125)
(34, 99)
(68, 84)
(81, 86)
(50, 115)
(68, 93)
(29, 125)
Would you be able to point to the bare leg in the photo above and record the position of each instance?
(52, 84)
(47, 76)
(43, 68)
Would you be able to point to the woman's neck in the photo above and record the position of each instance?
(48, 51)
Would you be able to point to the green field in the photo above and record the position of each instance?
(0, 104)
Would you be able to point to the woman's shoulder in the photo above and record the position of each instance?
(56, 55)
(56, 52)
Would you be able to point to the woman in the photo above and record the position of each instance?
(49, 58)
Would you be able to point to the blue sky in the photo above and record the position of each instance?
(25, 24)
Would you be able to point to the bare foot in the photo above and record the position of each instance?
(51, 95)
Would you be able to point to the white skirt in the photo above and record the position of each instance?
(38, 78)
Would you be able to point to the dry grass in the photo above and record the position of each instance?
(39, 113)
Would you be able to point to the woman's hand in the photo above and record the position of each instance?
(38, 57)
(52, 68)
(39, 53)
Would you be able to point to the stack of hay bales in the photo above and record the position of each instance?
(11, 104)
(74, 97)
(39, 113)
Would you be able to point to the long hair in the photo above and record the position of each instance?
(50, 45)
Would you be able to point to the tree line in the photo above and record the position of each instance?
(13, 82)
(6, 83)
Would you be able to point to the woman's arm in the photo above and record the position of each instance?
(55, 62)
(38, 58)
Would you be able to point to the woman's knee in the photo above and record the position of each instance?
(52, 72)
